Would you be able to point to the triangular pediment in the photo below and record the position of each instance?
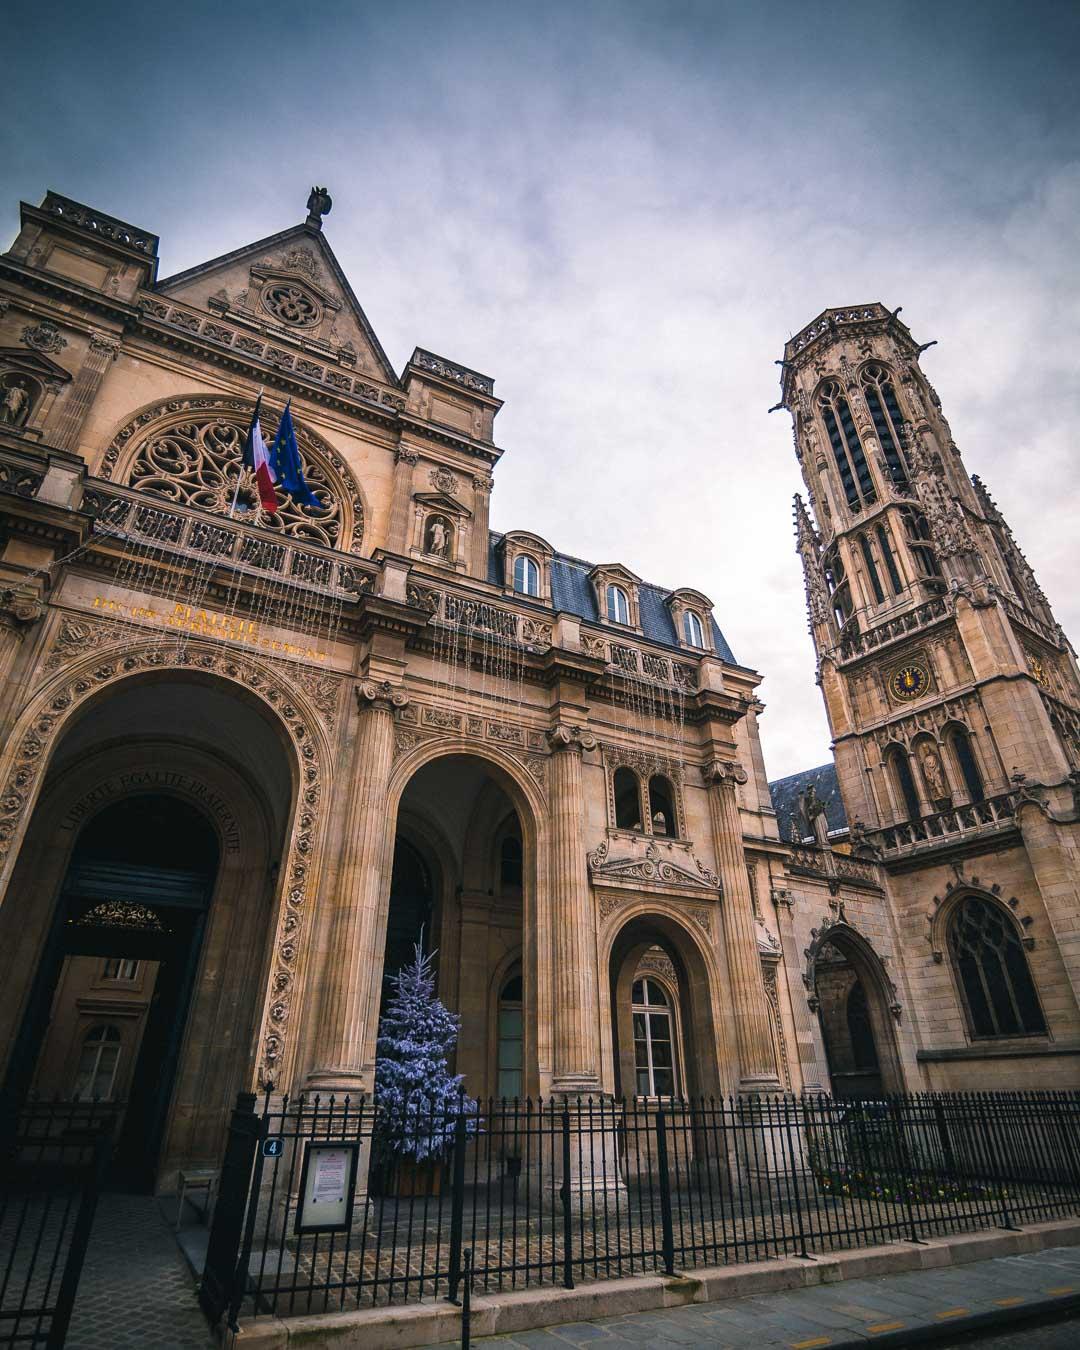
(293, 282)
(441, 501)
(32, 363)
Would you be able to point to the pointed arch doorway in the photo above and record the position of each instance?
(854, 1001)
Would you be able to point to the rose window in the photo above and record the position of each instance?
(291, 304)
(195, 463)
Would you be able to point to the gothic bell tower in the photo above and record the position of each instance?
(951, 691)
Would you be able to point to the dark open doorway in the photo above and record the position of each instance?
(110, 999)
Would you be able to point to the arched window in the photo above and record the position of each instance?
(905, 783)
(627, 800)
(847, 449)
(992, 969)
(95, 1077)
(526, 575)
(510, 1040)
(917, 528)
(890, 562)
(885, 411)
(964, 756)
(692, 629)
(839, 590)
(662, 806)
(618, 606)
(871, 569)
(510, 861)
(654, 1040)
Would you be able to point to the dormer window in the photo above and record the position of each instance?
(618, 605)
(693, 632)
(526, 575)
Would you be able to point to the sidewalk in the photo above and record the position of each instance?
(915, 1307)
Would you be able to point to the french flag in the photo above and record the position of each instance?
(257, 459)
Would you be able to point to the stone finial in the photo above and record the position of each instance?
(319, 204)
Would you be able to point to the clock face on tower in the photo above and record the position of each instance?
(910, 681)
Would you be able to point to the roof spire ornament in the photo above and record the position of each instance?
(319, 204)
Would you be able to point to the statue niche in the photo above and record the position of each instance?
(18, 395)
(438, 538)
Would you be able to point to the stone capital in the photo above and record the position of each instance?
(566, 737)
(483, 484)
(382, 695)
(104, 342)
(404, 455)
(724, 772)
(19, 609)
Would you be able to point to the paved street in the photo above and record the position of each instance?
(136, 1291)
(893, 1310)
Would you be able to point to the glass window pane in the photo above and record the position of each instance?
(637, 994)
(661, 1054)
(659, 1025)
(509, 1083)
(657, 997)
(643, 1086)
(663, 1083)
(510, 1022)
(639, 1026)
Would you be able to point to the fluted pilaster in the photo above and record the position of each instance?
(757, 1062)
(348, 1021)
(103, 351)
(573, 930)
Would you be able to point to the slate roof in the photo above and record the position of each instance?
(785, 793)
(572, 593)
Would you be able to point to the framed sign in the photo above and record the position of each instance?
(327, 1183)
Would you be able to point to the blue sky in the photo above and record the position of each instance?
(621, 211)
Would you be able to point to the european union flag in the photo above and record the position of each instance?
(285, 460)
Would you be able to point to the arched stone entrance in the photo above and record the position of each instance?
(216, 741)
(854, 1001)
(466, 825)
(651, 948)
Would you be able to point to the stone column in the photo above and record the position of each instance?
(347, 1024)
(573, 930)
(103, 349)
(757, 1064)
(478, 564)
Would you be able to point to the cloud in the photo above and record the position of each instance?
(621, 211)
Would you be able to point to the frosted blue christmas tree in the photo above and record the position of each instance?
(419, 1099)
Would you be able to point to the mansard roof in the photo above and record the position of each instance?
(572, 593)
(787, 793)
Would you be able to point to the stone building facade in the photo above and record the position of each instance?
(250, 758)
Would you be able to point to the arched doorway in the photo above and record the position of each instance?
(465, 876)
(113, 988)
(853, 1000)
(142, 909)
(665, 1038)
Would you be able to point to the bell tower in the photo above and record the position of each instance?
(949, 686)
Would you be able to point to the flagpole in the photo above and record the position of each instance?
(236, 494)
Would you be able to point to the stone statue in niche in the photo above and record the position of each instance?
(15, 403)
(437, 539)
(934, 775)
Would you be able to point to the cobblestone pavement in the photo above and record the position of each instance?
(893, 1309)
(136, 1291)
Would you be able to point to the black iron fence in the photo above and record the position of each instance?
(320, 1209)
(52, 1160)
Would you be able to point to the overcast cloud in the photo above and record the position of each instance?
(621, 211)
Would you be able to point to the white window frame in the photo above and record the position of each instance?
(649, 1010)
(618, 604)
(127, 969)
(693, 630)
(100, 1043)
(530, 571)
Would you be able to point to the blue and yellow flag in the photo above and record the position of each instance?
(285, 460)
